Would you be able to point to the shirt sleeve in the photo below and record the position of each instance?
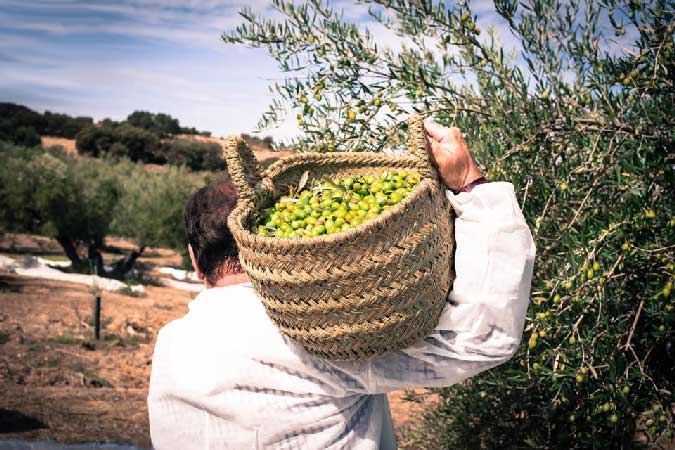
(482, 323)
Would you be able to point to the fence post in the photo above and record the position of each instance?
(97, 307)
(97, 316)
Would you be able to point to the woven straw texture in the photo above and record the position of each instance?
(360, 293)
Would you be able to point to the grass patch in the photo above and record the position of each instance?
(66, 339)
(55, 258)
(53, 362)
(89, 320)
(36, 347)
(131, 341)
(111, 337)
(4, 337)
(129, 292)
(410, 396)
(94, 380)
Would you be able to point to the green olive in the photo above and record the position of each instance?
(336, 205)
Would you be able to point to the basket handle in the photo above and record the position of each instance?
(243, 167)
(417, 146)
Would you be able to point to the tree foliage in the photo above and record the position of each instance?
(161, 124)
(124, 140)
(140, 144)
(23, 126)
(53, 195)
(195, 155)
(579, 117)
(150, 211)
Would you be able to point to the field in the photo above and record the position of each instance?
(59, 383)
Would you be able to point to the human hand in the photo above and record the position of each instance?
(453, 159)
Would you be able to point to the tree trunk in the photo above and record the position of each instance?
(124, 265)
(96, 258)
(71, 252)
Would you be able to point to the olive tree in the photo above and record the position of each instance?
(81, 201)
(56, 196)
(150, 210)
(579, 115)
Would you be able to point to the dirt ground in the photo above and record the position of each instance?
(67, 144)
(58, 383)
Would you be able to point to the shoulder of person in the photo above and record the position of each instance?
(225, 333)
(218, 314)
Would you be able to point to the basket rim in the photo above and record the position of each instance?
(240, 231)
(278, 167)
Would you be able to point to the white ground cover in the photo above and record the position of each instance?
(30, 266)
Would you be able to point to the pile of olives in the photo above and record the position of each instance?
(332, 206)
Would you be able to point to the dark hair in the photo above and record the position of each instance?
(206, 228)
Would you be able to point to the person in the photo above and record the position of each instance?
(224, 377)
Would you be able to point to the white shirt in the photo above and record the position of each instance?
(224, 377)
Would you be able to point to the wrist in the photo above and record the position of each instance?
(469, 187)
(472, 175)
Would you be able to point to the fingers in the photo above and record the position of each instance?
(440, 151)
(440, 133)
(445, 148)
(435, 131)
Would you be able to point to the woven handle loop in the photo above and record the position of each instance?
(417, 146)
(243, 167)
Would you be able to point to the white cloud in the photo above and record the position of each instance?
(46, 48)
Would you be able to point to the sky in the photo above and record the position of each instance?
(108, 58)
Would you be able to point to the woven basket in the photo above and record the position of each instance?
(378, 287)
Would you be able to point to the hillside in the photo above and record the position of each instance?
(143, 136)
(264, 155)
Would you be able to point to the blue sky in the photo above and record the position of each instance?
(108, 58)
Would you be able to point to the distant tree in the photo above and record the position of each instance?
(194, 155)
(160, 123)
(194, 131)
(150, 212)
(141, 144)
(141, 119)
(26, 136)
(71, 201)
(62, 125)
(20, 125)
(95, 141)
(123, 140)
(266, 142)
(108, 123)
(14, 116)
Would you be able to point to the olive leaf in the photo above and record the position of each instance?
(303, 180)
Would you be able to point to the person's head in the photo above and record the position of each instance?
(212, 248)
